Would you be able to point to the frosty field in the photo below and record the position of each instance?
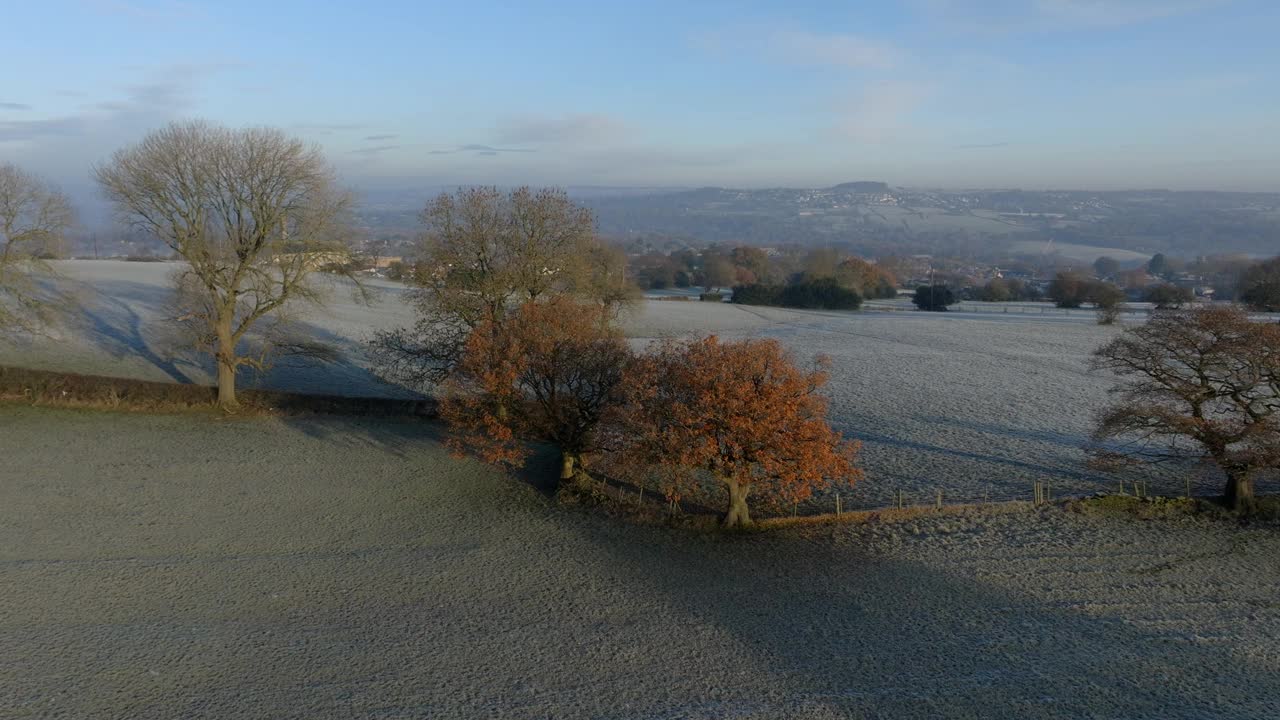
(186, 566)
(976, 404)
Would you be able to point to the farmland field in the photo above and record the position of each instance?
(977, 405)
(166, 566)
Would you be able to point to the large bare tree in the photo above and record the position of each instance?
(1201, 383)
(33, 220)
(485, 251)
(253, 212)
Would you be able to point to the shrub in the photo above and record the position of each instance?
(1260, 286)
(934, 298)
(711, 297)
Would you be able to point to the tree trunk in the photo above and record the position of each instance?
(568, 464)
(1239, 491)
(226, 358)
(739, 515)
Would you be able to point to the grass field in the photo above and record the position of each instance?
(978, 405)
(184, 566)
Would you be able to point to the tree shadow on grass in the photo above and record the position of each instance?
(112, 322)
(843, 632)
(126, 318)
(983, 457)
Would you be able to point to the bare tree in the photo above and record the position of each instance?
(1197, 383)
(484, 252)
(33, 219)
(254, 213)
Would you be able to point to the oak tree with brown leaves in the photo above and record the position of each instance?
(1200, 383)
(738, 412)
(548, 373)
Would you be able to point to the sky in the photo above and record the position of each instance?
(1081, 94)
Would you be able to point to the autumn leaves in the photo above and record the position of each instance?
(680, 418)
(517, 300)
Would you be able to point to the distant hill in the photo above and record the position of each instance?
(875, 218)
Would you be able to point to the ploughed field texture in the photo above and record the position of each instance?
(978, 405)
(184, 566)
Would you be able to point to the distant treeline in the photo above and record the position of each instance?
(815, 294)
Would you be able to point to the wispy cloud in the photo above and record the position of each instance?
(881, 112)
(566, 129)
(1056, 15)
(833, 49)
(802, 47)
(381, 137)
(14, 106)
(327, 128)
(143, 105)
(486, 150)
(375, 150)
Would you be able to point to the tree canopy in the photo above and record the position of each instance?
(252, 212)
(935, 298)
(1260, 286)
(549, 373)
(740, 414)
(484, 252)
(1201, 383)
(34, 216)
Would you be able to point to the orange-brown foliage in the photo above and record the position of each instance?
(740, 411)
(548, 373)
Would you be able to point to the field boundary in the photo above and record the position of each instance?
(60, 389)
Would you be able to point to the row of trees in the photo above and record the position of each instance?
(718, 267)
(254, 214)
(811, 294)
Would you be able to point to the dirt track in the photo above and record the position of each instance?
(162, 567)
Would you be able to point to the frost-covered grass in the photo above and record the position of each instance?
(976, 404)
(179, 566)
(123, 329)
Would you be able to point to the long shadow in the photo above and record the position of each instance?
(112, 322)
(1064, 439)
(839, 631)
(971, 455)
(115, 319)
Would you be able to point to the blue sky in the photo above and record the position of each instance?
(944, 93)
